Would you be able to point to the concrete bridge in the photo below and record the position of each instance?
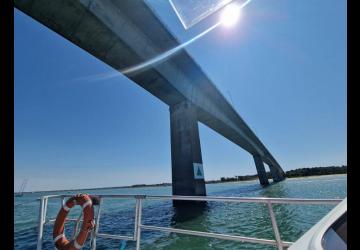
(125, 33)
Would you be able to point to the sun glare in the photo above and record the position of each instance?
(230, 15)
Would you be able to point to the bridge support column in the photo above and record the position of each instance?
(187, 170)
(261, 170)
(277, 175)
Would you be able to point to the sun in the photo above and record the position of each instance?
(230, 15)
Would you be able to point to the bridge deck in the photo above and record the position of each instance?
(125, 33)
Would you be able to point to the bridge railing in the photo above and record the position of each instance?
(139, 227)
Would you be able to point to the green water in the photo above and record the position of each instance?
(250, 220)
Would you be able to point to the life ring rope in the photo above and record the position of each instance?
(58, 237)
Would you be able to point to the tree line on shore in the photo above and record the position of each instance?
(299, 172)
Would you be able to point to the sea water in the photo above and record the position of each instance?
(252, 220)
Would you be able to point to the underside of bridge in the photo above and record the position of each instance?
(125, 33)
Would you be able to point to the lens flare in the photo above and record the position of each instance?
(230, 15)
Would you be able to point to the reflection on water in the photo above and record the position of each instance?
(188, 211)
(243, 219)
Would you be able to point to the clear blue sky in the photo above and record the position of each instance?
(283, 67)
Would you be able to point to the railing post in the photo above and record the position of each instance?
(41, 224)
(275, 227)
(45, 210)
(97, 225)
(138, 222)
(136, 217)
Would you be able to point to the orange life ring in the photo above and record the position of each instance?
(88, 224)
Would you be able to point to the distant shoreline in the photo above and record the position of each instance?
(296, 173)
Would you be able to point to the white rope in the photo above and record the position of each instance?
(86, 204)
(76, 245)
(58, 237)
(66, 208)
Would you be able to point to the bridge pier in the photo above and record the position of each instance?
(260, 168)
(186, 160)
(277, 174)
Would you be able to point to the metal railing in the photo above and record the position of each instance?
(139, 226)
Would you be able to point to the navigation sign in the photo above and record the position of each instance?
(198, 171)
